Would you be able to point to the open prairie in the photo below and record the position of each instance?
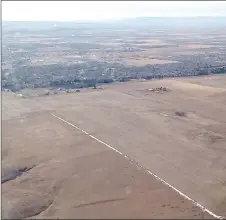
(61, 153)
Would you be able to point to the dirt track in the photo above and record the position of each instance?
(188, 152)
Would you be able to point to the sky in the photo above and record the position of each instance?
(106, 10)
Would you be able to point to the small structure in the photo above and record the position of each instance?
(159, 89)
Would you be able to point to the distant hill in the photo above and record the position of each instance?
(140, 22)
(174, 22)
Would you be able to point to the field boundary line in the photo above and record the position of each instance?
(148, 171)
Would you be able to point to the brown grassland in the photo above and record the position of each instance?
(53, 170)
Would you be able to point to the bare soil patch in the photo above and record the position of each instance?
(197, 46)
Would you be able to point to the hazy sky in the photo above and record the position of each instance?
(100, 10)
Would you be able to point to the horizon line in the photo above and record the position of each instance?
(116, 19)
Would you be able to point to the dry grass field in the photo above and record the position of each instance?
(54, 170)
(133, 58)
(143, 62)
(177, 44)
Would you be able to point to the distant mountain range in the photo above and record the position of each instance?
(140, 22)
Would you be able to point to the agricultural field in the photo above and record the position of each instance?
(156, 146)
